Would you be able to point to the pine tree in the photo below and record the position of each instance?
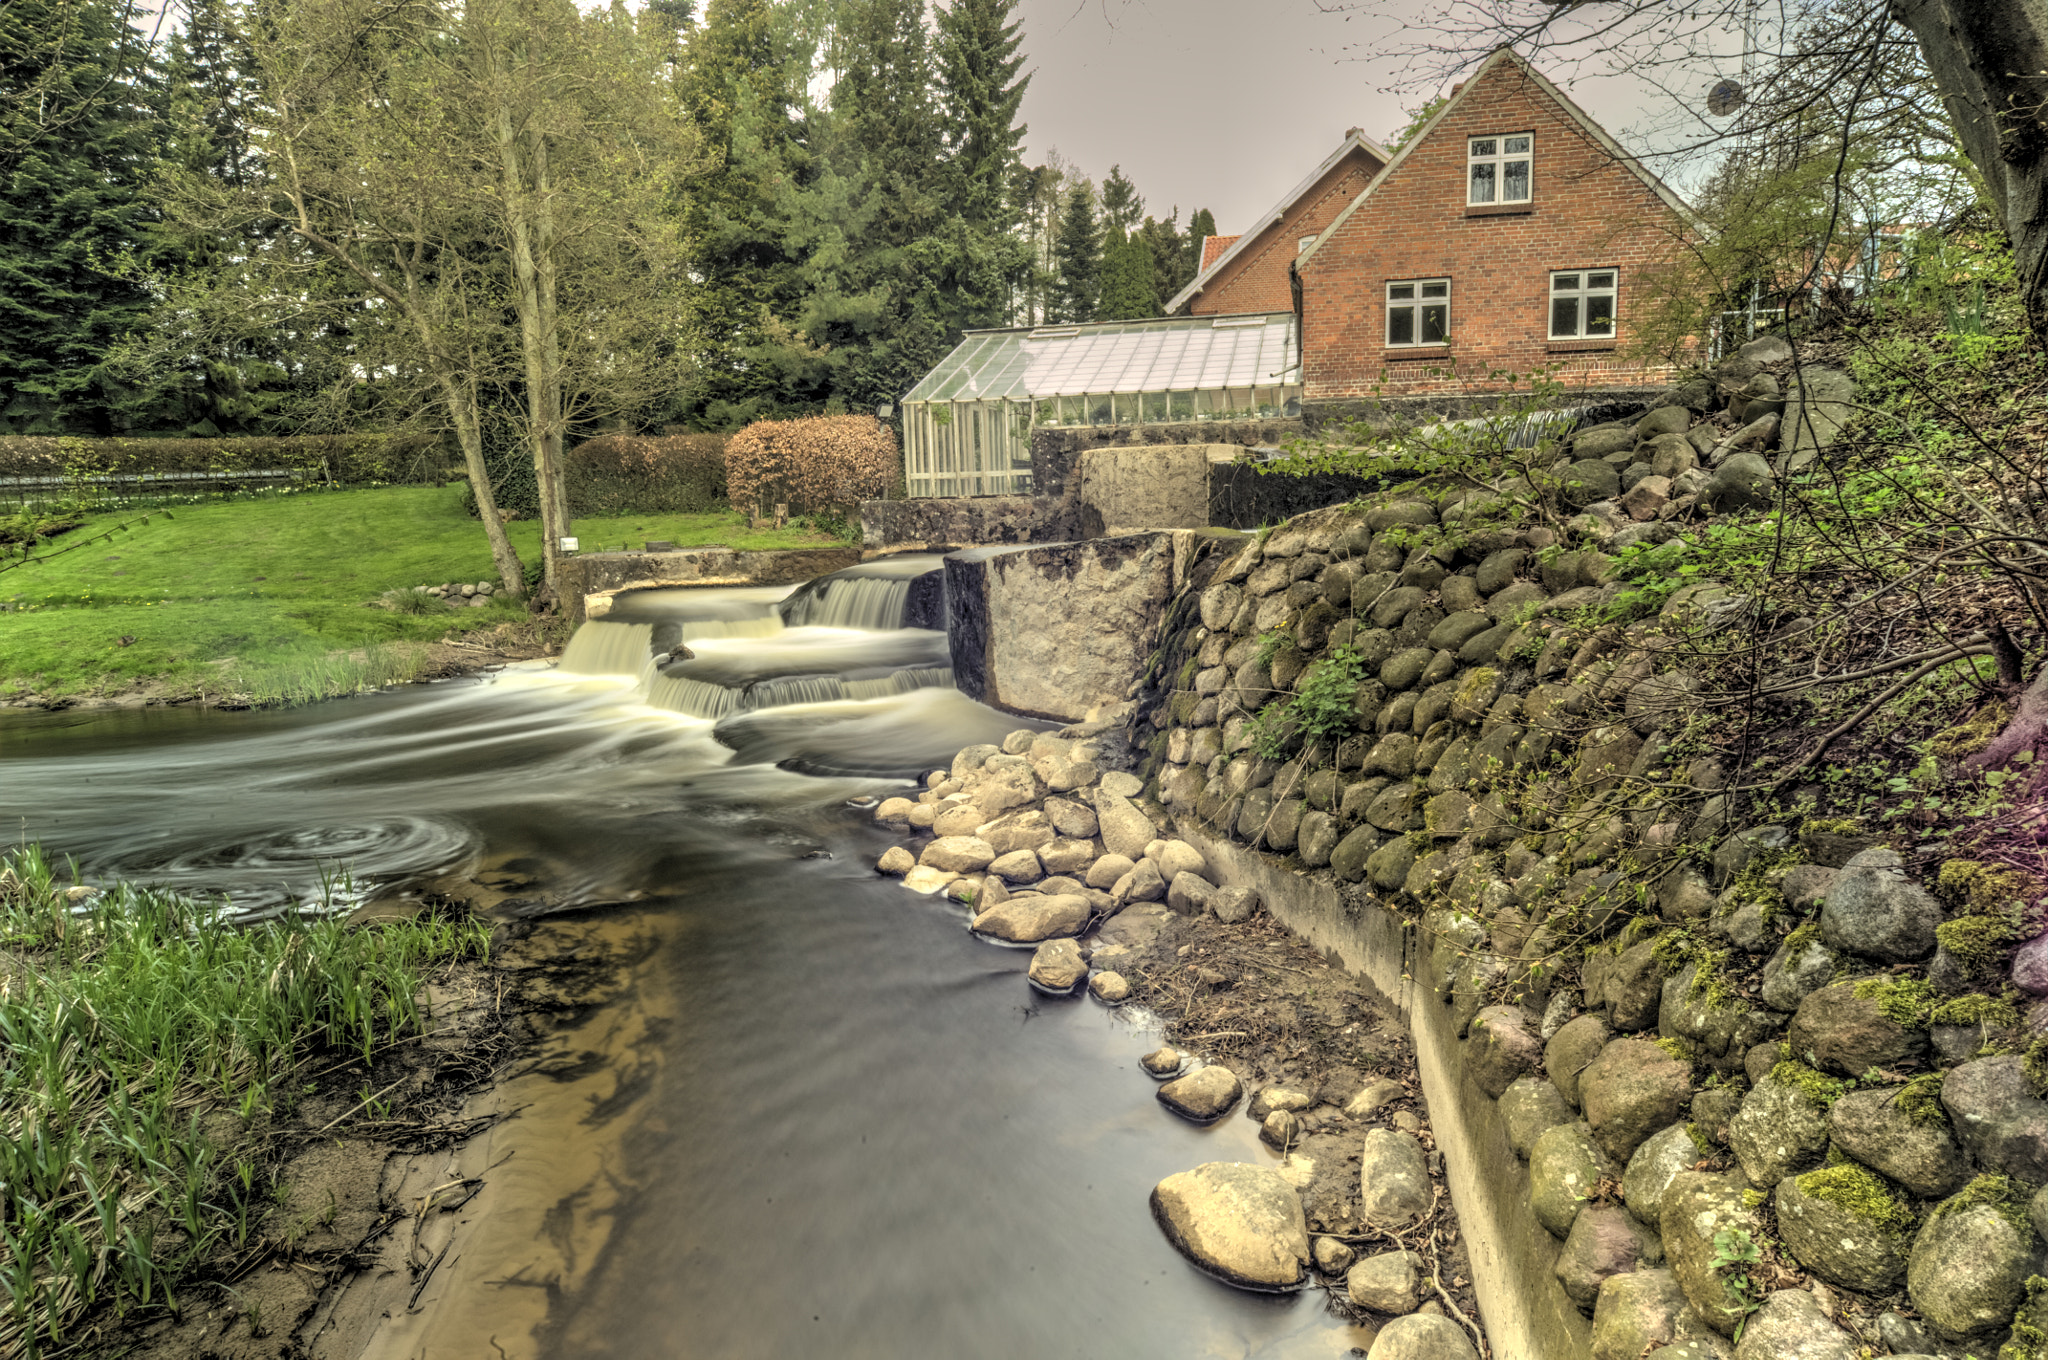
(1201, 226)
(1077, 282)
(1127, 280)
(75, 155)
(1121, 205)
(979, 58)
(1168, 248)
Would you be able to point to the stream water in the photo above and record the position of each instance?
(821, 1118)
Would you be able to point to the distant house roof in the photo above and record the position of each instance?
(1585, 121)
(1173, 354)
(1213, 248)
(1232, 245)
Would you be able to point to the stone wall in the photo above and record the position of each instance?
(1055, 450)
(590, 580)
(942, 524)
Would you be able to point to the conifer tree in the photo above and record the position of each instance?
(1127, 280)
(1121, 205)
(980, 59)
(1077, 282)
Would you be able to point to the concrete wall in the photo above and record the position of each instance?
(944, 523)
(590, 580)
(1147, 486)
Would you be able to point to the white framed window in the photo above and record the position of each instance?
(1582, 304)
(1303, 244)
(1418, 313)
(1499, 169)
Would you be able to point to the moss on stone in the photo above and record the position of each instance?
(1998, 1193)
(1977, 940)
(1920, 1099)
(1701, 1141)
(1477, 679)
(1821, 1090)
(1972, 734)
(1799, 939)
(1863, 1194)
(2028, 1341)
(2034, 1062)
(1991, 1012)
(1678, 1048)
(1902, 1000)
(1188, 671)
(1983, 889)
(1760, 879)
(1829, 826)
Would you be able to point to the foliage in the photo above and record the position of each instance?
(1417, 116)
(620, 474)
(1736, 1255)
(823, 463)
(359, 458)
(127, 1021)
(1077, 283)
(1321, 706)
(1128, 279)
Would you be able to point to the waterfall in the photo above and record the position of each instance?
(708, 699)
(873, 603)
(603, 648)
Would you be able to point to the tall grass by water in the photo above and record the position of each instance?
(327, 675)
(146, 1043)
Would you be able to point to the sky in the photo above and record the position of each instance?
(1228, 104)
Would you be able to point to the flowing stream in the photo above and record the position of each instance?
(819, 1118)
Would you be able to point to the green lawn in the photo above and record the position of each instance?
(274, 582)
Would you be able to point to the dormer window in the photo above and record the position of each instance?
(1498, 169)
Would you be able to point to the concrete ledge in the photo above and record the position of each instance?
(1527, 1315)
(591, 580)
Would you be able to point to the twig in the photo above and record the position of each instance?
(359, 1105)
(1436, 1280)
(421, 1287)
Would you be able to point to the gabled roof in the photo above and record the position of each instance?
(1213, 248)
(1357, 141)
(1459, 92)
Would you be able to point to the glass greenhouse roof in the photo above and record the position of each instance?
(1175, 354)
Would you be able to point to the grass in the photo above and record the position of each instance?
(137, 1030)
(209, 595)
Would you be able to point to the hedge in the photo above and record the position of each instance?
(341, 457)
(820, 463)
(629, 474)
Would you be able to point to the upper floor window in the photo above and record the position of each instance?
(1497, 169)
(1582, 304)
(1418, 312)
(1301, 246)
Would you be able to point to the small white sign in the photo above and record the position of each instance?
(568, 545)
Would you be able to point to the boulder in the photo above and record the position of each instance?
(1780, 1129)
(1057, 967)
(1069, 818)
(1850, 1034)
(1743, 481)
(925, 879)
(1604, 1242)
(1630, 1091)
(1801, 966)
(1998, 1119)
(1530, 1108)
(1105, 872)
(1589, 480)
(1815, 412)
(1874, 910)
(1792, 1325)
(1234, 905)
(1280, 1130)
(1393, 1177)
(1969, 1265)
(1845, 1225)
(896, 860)
(1698, 1206)
(1390, 1282)
(894, 811)
(1423, 1336)
(1656, 1164)
(1571, 1051)
(1110, 988)
(1501, 1047)
(959, 819)
(1163, 1062)
(1242, 1224)
(1063, 857)
(958, 854)
(1564, 1168)
(1373, 1097)
(1915, 1147)
(1178, 857)
(1125, 830)
(1635, 1312)
(1031, 917)
(1141, 884)
(1333, 1257)
(1019, 866)
(1204, 1095)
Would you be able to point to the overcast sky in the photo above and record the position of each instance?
(1228, 104)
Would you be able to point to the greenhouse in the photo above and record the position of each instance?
(967, 426)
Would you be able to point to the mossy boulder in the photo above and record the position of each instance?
(1845, 1029)
(1846, 1225)
(1565, 1166)
(1910, 1142)
(1634, 1088)
(1969, 1265)
(1698, 1207)
(1782, 1126)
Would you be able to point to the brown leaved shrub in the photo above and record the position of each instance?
(811, 465)
(628, 474)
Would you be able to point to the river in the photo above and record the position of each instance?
(822, 1117)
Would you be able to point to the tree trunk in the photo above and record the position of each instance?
(462, 409)
(1990, 61)
(543, 383)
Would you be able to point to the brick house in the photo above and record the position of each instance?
(1249, 272)
(1509, 233)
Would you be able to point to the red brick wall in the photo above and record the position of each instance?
(1256, 281)
(1587, 212)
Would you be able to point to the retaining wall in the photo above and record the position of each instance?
(590, 580)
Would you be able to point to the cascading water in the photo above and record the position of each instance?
(828, 1080)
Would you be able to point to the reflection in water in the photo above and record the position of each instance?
(821, 1117)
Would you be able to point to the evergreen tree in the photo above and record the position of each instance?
(1201, 226)
(1121, 205)
(1077, 282)
(1127, 280)
(979, 60)
(75, 154)
(1172, 262)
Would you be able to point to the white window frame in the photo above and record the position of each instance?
(1583, 290)
(1499, 158)
(1302, 244)
(1413, 301)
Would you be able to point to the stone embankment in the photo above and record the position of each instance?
(1728, 1079)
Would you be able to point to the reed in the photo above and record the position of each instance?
(135, 1025)
(328, 675)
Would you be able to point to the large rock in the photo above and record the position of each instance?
(1635, 1312)
(1501, 1047)
(1874, 910)
(1125, 830)
(1969, 1266)
(1234, 905)
(1571, 1051)
(1590, 480)
(1393, 1180)
(958, 854)
(1030, 917)
(1241, 1223)
(1530, 1108)
(1630, 1091)
(1801, 966)
(1845, 1225)
(1998, 1119)
(1019, 866)
(1603, 1242)
(1057, 966)
(1390, 1282)
(1815, 412)
(1189, 894)
(1204, 1095)
(1565, 1167)
(1850, 1034)
(1656, 1164)
(1423, 1336)
(1071, 819)
(1698, 1207)
(1780, 1129)
(1792, 1325)
(1742, 482)
(1915, 1147)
